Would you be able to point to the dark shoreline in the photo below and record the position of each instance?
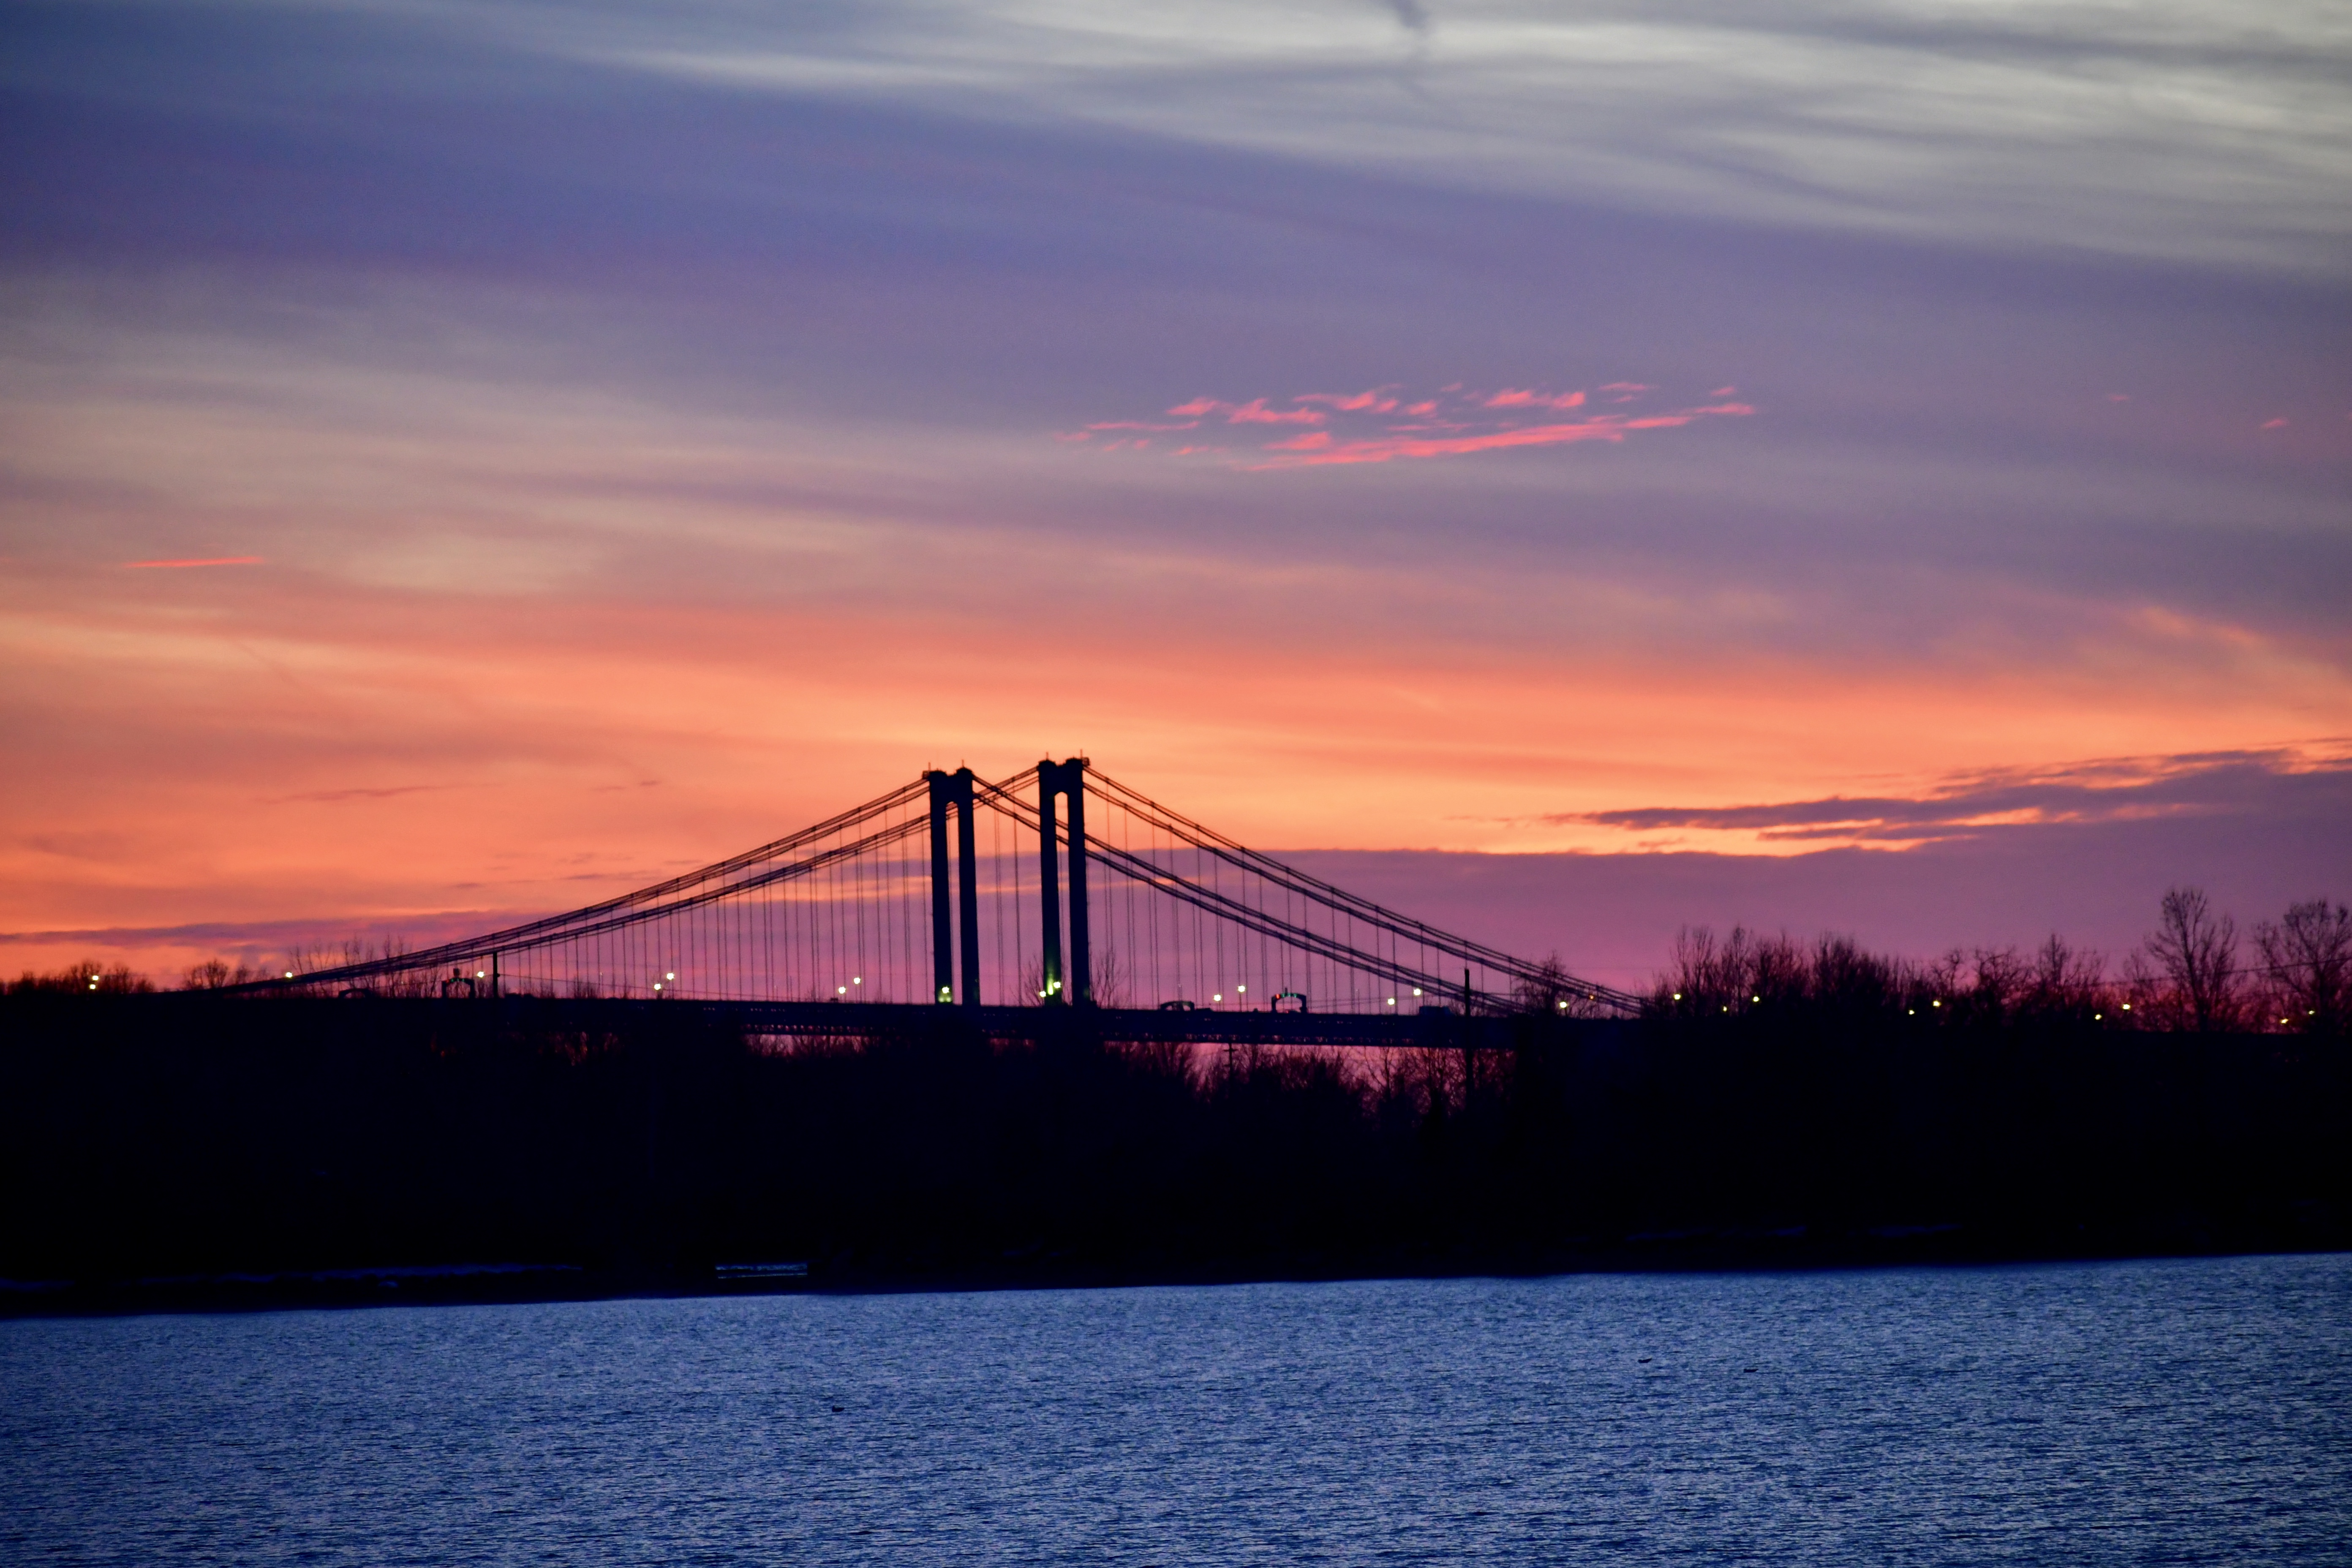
(516, 1284)
(164, 1153)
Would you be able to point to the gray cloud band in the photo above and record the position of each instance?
(2205, 785)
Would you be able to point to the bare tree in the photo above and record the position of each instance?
(2066, 982)
(2002, 980)
(1783, 971)
(2196, 951)
(1711, 976)
(1943, 975)
(2307, 962)
(1847, 977)
(213, 974)
(1542, 992)
(1108, 982)
(1548, 993)
(1688, 983)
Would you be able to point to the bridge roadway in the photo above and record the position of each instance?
(1199, 1025)
(819, 1020)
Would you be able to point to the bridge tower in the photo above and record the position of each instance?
(953, 791)
(1067, 780)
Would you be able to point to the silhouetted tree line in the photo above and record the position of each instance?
(112, 980)
(2191, 972)
(160, 1136)
(1777, 1102)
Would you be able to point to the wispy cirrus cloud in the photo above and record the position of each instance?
(2164, 128)
(332, 796)
(1378, 426)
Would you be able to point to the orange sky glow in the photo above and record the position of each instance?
(423, 503)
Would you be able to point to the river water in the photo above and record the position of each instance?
(2141, 1413)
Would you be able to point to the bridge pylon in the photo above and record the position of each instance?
(1066, 781)
(953, 791)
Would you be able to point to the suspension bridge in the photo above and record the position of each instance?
(1005, 900)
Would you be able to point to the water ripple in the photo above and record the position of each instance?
(2169, 1412)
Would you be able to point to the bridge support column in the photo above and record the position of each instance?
(1066, 781)
(954, 791)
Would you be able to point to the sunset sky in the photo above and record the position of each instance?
(1576, 468)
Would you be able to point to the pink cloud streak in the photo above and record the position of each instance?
(1510, 398)
(1370, 402)
(1391, 447)
(1254, 412)
(212, 561)
(1602, 427)
(1349, 427)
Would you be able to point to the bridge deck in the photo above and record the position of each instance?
(1203, 1026)
(889, 1020)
